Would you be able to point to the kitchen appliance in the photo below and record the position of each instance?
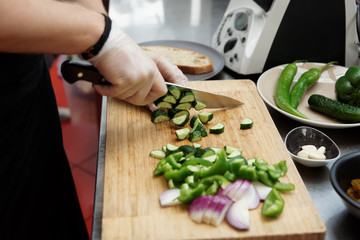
(255, 35)
(73, 71)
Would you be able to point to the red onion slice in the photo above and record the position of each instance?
(251, 197)
(169, 197)
(262, 189)
(221, 210)
(198, 207)
(238, 215)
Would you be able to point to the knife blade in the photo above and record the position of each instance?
(73, 71)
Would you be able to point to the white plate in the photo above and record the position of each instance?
(325, 86)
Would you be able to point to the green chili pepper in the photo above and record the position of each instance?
(347, 87)
(284, 186)
(282, 91)
(273, 204)
(306, 80)
(188, 194)
(219, 167)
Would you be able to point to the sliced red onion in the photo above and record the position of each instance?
(169, 197)
(241, 190)
(251, 197)
(262, 189)
(211, 209)
(198, 207)
(232, 188)
(221, 210)
(238, 215)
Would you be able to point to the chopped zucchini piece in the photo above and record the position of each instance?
(199, 127)
(247, 123)
(159, 154)
(181, 134)
(195, 136)
(171, 148)
(217, 129)
(211, 158)
(187, 149)
(173, 113)
(205, 117)
(166, 105)
(229, 149)
(187, 97)
(180, 121)
(159, 115)
(196, 145)
(193, 120)
(198, 105)
(169, 98)
(175, 91)
(183, 106)
(207, 152)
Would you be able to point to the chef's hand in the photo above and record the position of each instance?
(134, 76)
(170, 72)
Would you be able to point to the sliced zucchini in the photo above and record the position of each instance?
(217, 129)
(181, 134)
(183, 106)
(171, 148)
(211, 158)
(193, 120)
(169, 98)
(247, 123)
(159, 154)
(197, 145)
(159, 115)
(166, 105)
(198, 105)
(173, 113)
(229, 149)
(205, 117)
(186, 97)
(195, 136)
(180, 121)
(186, 149)
(208, 152)
(175, 91)
(199, 127)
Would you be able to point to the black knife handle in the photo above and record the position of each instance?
(73, 71)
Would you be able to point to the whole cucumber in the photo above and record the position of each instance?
(333, 108)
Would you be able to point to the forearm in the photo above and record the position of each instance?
(48, 26)
(96, 5)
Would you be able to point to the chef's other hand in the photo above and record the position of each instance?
(134, 76)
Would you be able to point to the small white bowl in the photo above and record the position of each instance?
(304, 135)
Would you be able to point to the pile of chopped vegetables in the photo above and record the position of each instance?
(219, 183)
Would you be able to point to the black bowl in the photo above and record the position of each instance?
(345, 169)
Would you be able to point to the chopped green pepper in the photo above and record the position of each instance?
(247, 172)
(264, 177)
(219, 167)
(273, 204)
(178, 175)
(215, 178)
(284, 186)
(188, 194)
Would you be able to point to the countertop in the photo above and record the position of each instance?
(158, 20)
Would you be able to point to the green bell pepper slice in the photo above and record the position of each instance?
(273, 204)
(219, 167)
(188, 194)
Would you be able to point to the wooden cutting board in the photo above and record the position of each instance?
(131, 208)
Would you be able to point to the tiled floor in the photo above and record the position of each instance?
(80, 135)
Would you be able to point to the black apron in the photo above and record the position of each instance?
(37, 194)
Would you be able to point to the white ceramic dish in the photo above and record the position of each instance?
(325, 86)
(304, 135)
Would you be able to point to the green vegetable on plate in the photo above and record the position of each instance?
(347, 87)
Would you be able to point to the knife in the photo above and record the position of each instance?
(73, 71)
